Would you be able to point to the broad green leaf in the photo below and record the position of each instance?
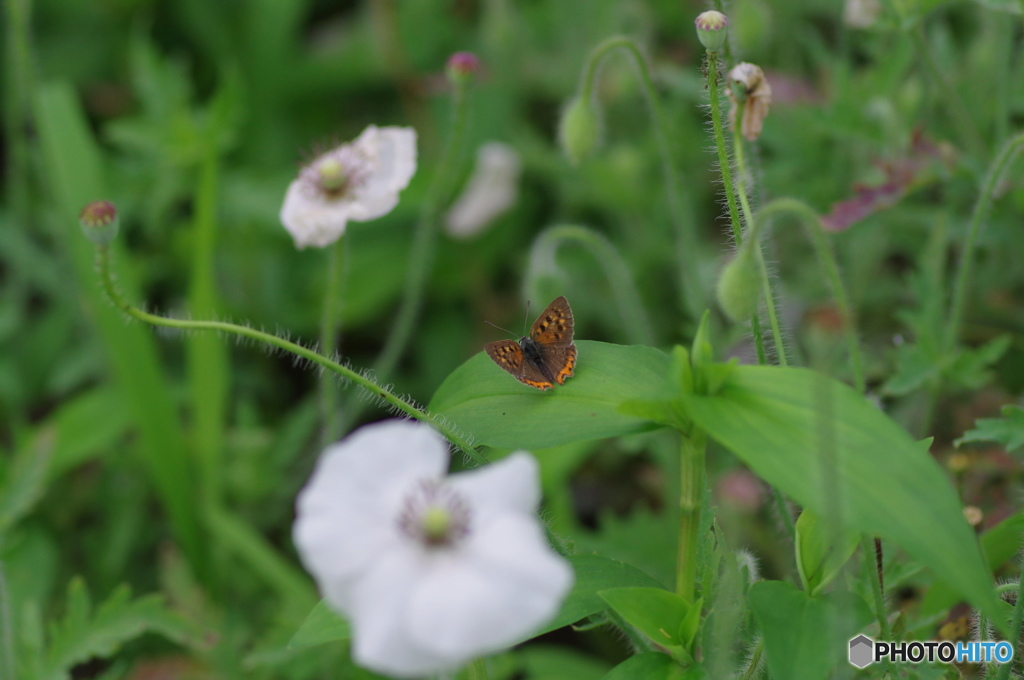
(1000, 544)
(1007, 431)
(322, 625)
(689, 626)
(857, 462)
(655, 612)
(502, 412)
(821, 551)
(647, 666)
(594, 574)
(804, 636)
(548, 662)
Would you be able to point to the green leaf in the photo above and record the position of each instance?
(970, 369)
(1007, 431)
(804, 636)
(915, 366)
(83, 633)
(594, 574)
(656, 613)
(821, 551)
(499, 411)
(548, 662)
(322, 625)
(26, 480)
(833, 451)
(689, 626)
(999, 544)
(647, 666)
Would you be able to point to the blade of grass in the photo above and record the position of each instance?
(73, 173)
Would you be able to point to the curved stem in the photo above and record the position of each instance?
(329, 338)
(686, 239)
(730, 190)
(620, 280)
(755, 661)
(827, 260)
(103, 266)
(766, 284)
(981, 208)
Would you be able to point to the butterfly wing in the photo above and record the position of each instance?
(509, 355)
(561, 361)
(554, 327)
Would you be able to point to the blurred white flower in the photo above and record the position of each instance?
(491, 190)
(431, 571)
(861, 13)
(357, 181)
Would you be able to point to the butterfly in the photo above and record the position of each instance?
(545, 358)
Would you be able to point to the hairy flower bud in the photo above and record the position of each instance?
(711, 29)
(99, 222)
(739, 284)
(749, 90)
(462, 67)
(579, 129)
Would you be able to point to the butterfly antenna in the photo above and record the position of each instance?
(499, 328)
(526, 321)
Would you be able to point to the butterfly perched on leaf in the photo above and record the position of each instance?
(548, 356)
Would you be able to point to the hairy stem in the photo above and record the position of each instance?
(103, 266)
(691, 477)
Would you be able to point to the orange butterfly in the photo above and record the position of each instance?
(545, 358)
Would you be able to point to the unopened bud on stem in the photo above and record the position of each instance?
(99, 222)
(739, 284)
(711, 29)
(462, 68)
(579, 129)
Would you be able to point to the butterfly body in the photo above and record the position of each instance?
(545, 358)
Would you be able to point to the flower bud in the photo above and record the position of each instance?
(99, 222)
(739, 284)
(711, 29)
(462, 67)
(749, 89)
(579, 129)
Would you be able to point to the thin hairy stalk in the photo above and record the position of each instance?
(103, 267)
(751, 670)
(623, 289)
(766, 283)
(981, 208)
(874, 576)
(691, 478)
(6, 631)
(421, 257)
(830, 267)
(329, 338)
(730, 190)
(686, 239)
(1015, 623)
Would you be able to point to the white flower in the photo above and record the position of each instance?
(357, 181)
(431, 571)
(491, 190)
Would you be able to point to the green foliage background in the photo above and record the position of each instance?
(170, 462)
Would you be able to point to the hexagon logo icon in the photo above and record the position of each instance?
(861, 651)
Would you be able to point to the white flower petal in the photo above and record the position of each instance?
(347, 515)
(504, 586)
(392, 154)
(509, 485)
(381, 638)
(311, 221)
(491, 190)
(379, 164)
